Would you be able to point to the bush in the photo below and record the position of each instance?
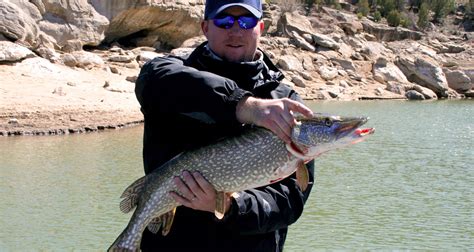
(363, 7)
(387, 6)
(377, 16)
(393, 18)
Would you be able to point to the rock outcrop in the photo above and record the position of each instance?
(328, 54)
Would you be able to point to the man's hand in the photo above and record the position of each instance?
(196, 192)
(274, 114)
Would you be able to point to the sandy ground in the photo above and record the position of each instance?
(37, 97)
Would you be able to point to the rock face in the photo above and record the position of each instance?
(386, 33)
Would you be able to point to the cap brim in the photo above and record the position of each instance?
(251, 9)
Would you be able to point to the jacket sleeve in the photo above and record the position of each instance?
(165, 85)
(269, 208)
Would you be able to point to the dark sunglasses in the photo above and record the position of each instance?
(227, 21)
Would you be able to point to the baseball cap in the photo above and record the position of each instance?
(214, 7)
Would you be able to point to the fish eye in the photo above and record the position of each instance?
(328, 122)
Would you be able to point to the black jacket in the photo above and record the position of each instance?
(191, 102)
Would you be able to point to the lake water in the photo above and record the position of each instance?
(409, 186)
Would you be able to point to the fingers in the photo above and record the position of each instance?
(194, 191)
(204, 185)
(299, 107)
(182, 187)
(282, 127)
(192, 184)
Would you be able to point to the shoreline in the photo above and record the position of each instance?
(51, 123)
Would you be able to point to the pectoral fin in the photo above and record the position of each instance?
(164, 221)
(302, 176)
(220, 205)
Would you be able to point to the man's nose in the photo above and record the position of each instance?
(235, 29)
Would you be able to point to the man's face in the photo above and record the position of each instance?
(234, 44)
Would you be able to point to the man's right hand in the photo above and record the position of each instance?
(273, 114)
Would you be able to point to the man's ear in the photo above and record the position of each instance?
(205, 27)
(262, 26)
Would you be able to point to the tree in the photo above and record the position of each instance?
(363, 7)
(423, 14)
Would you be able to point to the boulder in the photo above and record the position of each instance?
(300, 42)
(427, 93)
(144, 23)
(351, 28)
(387, 33)
(325, 41)
(290, 63)
(17, 22)
(458, 80)
(384, 71)
(11, 52)
(414, 95)
(328, 73)
(82, 59)
(424, 71)
(293, 22)
(344, 63)
(73, 20)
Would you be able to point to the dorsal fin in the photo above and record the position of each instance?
(131, 194)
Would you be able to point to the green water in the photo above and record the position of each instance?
(409, 186)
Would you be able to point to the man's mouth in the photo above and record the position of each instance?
(235, 46)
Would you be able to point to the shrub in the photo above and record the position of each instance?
(363, 7)
(393, 18)
(423, 14)
(386, 7)
(441, 8)
(377, 16)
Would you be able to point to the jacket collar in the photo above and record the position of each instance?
(248, 75)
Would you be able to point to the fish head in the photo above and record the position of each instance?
(321, 133)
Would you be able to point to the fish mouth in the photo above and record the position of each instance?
(350, 125)
(364, 132)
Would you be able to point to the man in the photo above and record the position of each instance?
(226, 84)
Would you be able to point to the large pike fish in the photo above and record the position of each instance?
(253, 159)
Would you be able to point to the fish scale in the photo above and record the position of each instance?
(253, 159)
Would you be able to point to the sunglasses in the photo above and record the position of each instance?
(227, 21)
